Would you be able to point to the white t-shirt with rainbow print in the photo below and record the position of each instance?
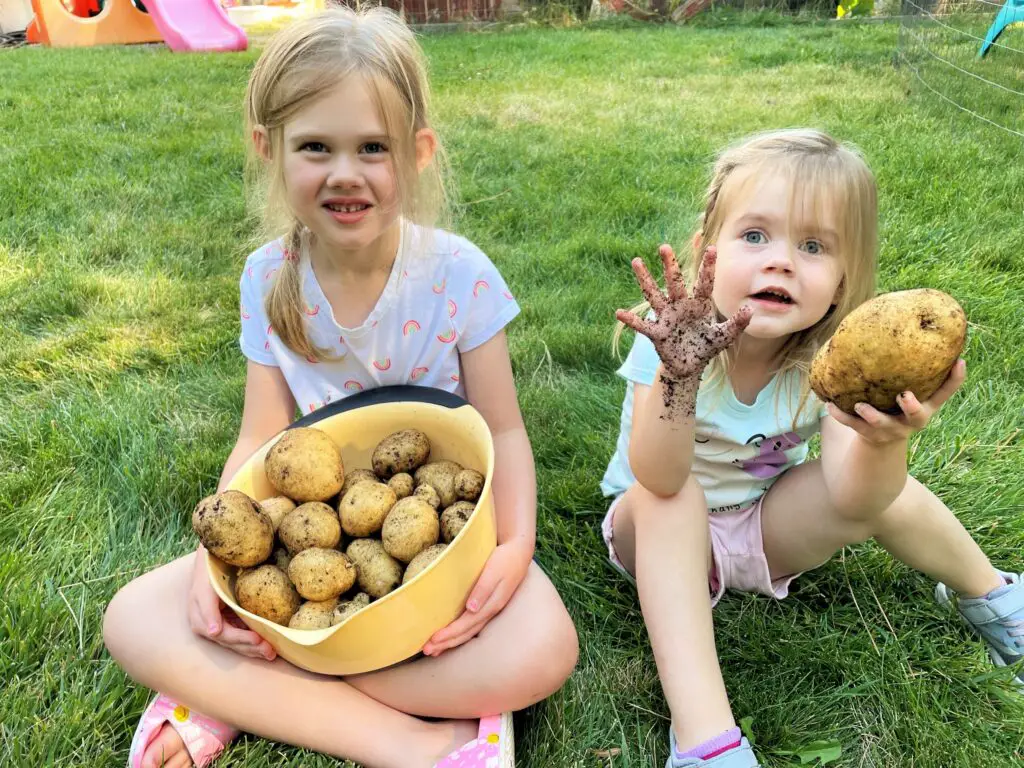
(440, 300)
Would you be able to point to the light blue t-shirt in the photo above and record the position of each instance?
(739, 449)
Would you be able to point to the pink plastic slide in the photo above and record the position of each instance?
(196, 25)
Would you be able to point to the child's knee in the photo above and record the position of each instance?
(117, 624)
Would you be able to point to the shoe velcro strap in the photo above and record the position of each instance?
(985, 611)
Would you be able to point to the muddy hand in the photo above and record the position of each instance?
(685, 330)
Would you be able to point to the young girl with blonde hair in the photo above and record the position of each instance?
(711, 486)
(361, 291)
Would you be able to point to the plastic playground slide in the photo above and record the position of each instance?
(196, 25)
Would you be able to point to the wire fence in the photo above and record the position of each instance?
(969, 56)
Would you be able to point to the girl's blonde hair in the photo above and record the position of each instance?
(299, 65)
(824, 175)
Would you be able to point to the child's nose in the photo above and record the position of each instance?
(779, 258)
(344, 172)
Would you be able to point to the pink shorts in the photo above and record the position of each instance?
(738, 561)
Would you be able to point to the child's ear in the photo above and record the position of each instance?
(426, 146)
(261, 143)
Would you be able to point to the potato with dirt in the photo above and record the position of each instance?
(234, 528)
(411, 526)
(440, 475)
(421, 561)
(357, 476)
(351, 607)
(314, 614)
(362, 510)
(320, 574)
(402, 451)
(377, 572)
(893, 343)
(267, 592)
(454, 519)
(313, 524)
(305, 465)
(428, 494)
(402, 484)
(277, 507)
(469, 484)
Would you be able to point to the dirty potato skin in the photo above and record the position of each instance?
(313, 524)
(314, 614)
(378, 572)
(402, 484)
(234, 528)
(357, 476)
(320, 574)
(422, 560)
(305, 465)
(896, 342)
(454, 518)
(411, 526)
(351, 607)
(400, 452)
(276, 508)
(267, 592)
(362, 510)
(428, 494)
(469, 484)
(441, 476)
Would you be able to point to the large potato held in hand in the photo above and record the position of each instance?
(400, 452)
(305, 465)
(896, 342)
(234, 528)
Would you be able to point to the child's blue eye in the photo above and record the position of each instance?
(812, 247)
(374, 148)
(754, 237)
(313, 146)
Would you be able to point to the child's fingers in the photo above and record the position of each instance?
(952, 383)
(857, 425)
(633, 321)
(735, 325)
(706, 277)
(674, 282)
(650, 289)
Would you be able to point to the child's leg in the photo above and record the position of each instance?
(146, 630)
(665, 543)
(801, 531)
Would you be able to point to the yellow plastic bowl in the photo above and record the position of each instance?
(396, 626)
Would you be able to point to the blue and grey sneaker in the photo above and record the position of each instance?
(997, 618)
(737, 757)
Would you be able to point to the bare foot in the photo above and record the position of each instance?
(167, 750)
(463, 731)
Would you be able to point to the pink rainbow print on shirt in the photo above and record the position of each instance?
(382, 365)
(481, 285)
(410, 327)
(313, 311)
(270, 274)
(455, 253)
(311, 359)
(452, 308)
(266, 345)
(405, 273)
(418, 373)
(270, 330)
(245, 313)
(439, 287)
(455, 378)
(508, 295)
(353, 386)
(249, 272)
(448, 337)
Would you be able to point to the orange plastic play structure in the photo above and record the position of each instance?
(119, 23)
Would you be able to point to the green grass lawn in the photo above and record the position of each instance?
(122, 235)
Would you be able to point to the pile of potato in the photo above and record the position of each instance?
(332, 542)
